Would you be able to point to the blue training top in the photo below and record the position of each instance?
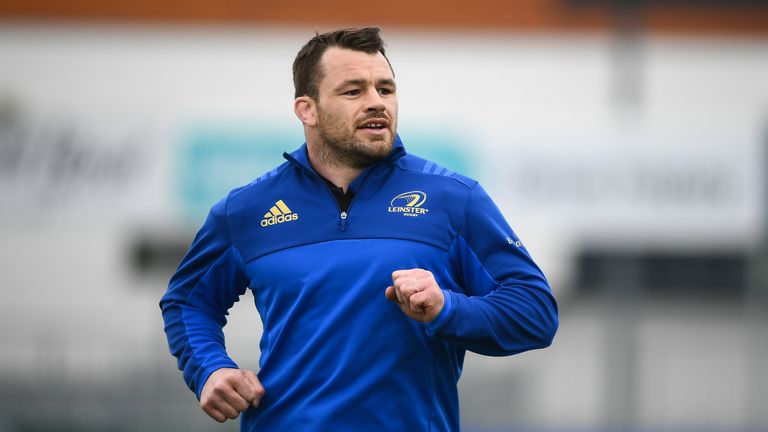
(336, 355)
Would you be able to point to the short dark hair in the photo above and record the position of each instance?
(306, 67)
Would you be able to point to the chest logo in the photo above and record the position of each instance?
(409, 204)
(279, 213)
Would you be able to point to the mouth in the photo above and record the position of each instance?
(374, 125)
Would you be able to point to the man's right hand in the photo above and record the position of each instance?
(228, 392)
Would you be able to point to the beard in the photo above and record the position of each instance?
(341, 147)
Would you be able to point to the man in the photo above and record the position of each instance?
(373, 270)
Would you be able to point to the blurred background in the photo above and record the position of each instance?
(625, 141)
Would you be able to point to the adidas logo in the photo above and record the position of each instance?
(279, 213)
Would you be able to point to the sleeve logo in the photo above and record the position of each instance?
(409, 204)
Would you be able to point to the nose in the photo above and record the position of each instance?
(373, 101)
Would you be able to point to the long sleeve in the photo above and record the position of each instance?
(507, 306)
(208, 282)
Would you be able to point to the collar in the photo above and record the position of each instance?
(301, 157)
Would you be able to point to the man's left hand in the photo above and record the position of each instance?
(417, 294)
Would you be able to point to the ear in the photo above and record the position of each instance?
(306, 110)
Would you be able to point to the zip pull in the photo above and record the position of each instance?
(343, 221)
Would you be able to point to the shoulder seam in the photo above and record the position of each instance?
(482, 264)
(452, 176)
(260, 179)
(229, 231)
(226, 217)
(466, 210)
(264, 176)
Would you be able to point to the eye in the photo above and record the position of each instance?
(385, 91)
(354, 92)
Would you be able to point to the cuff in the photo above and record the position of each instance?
(207, 373)
(436, 324)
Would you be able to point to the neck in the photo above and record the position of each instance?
(330, 167)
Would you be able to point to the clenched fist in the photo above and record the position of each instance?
(228, 392)
(417, 294)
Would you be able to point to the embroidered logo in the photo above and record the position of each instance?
(409, 204)
(279, 213)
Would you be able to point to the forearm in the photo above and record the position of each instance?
(509, 320)
(209, 280)
(500, 303)
(196, 339)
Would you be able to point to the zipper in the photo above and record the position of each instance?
(343, 221)
(343, 214)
